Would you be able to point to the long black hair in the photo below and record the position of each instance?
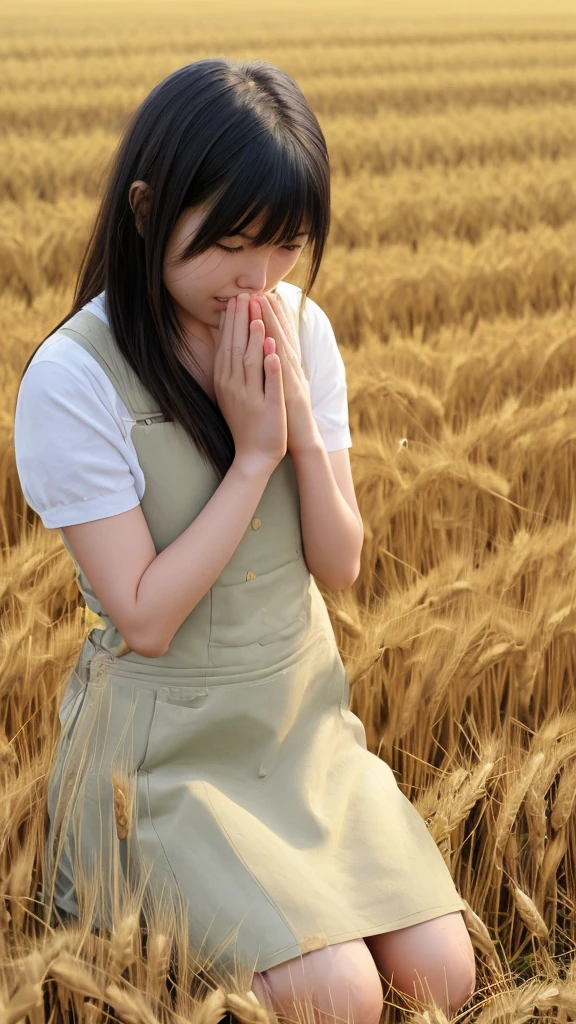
(240, 134)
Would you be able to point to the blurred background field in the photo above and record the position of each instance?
(450, 279)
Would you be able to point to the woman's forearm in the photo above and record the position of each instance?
(182, 573)
(332, 534)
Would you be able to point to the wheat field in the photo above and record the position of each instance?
(450, 280)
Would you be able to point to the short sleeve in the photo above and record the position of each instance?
(327, 377)
(69, 449)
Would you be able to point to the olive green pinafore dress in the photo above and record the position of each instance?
(254, 804)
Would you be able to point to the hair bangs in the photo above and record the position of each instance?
(281, 192)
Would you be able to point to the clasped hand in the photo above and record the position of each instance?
(280, 336)
(302, 430)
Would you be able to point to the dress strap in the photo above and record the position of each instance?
(96, 338)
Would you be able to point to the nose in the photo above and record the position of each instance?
(254, 274)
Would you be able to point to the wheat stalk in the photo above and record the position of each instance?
(512, 801)
(8, 756)
(92, 1014)
(212, 1009)
(122, 648)
(32, 968)
(23, 1003)
(567, 997)
(434, 1015)
(529, 913)
(122, 942)
(553, 855)
(480, 935)
(518, 1004)
(352, 627)
(564, 802)
(158, 952)
(121, 806)
(247, 1008)
(130, 1005)
(68, 971)
(465, 799)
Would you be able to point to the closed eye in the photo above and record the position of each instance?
(239, 248)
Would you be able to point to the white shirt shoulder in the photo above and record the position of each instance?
(72, 431)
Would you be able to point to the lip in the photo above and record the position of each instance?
(228, 297)
(218, 299)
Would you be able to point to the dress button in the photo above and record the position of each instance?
(256, 524)
(250, 575)
(262, 771)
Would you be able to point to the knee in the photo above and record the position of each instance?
(339, 983)
(433, 961)
(461, 987)
(436, 981)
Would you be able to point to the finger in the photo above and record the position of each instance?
(223, 354)
(273, 386)
(282, 316)
(292, 335)
(240, 338)
(253, 358)
(269, 348)
(219, 332)
(289, 357)
(275, 330)
(265, 316)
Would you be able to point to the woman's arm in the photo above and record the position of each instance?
(332, 529)
(148, 596)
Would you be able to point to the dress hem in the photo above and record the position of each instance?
(293, 952)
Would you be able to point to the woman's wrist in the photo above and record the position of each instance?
(254, 466)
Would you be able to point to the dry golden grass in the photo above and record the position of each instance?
(450, 279)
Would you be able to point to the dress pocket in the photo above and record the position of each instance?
(260, 608)
(176, 718)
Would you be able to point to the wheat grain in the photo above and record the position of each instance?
(564, 802)
(129, 1005)
(122, 942)
(513, 799)
(352, 627)
(92, 1014)
(246, 1008)
(480, 935)
(518, 1004)
(529, 913)
(24, 1002)
(555, 852)
(158, 955)
(121, 806)
(68, 971)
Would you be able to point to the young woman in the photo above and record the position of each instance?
(185, 428)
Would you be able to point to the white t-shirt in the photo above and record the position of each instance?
(74, 455)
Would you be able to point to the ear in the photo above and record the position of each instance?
(139, 198)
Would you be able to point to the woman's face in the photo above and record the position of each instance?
(197, 285)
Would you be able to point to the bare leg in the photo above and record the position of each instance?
(337, 984)
(433, 961)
